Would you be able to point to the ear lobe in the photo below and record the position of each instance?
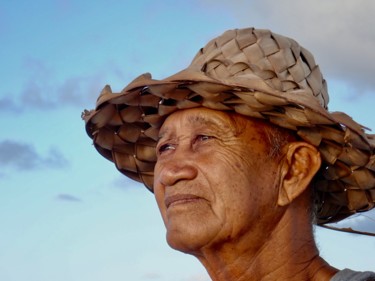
(301, 163)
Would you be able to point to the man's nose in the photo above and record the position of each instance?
(177, 169)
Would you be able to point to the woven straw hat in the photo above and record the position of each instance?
(256, 73)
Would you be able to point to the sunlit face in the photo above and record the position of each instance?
(213, 179)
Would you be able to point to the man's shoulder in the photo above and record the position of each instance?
(350, 275)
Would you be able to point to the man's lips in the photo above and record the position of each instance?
(180, 198)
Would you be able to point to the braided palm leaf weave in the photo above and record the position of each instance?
(256, 73)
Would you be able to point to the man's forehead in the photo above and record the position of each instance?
(195, 117)
(206, 118)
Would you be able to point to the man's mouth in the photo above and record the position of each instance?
(180, 199)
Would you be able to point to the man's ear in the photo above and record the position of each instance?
(301, 163)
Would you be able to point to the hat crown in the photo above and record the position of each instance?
(257, 53)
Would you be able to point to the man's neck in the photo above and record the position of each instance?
(288, 253)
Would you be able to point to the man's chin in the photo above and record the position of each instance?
(188, 242)
(182, 245)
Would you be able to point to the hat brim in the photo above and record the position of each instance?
(124, 127)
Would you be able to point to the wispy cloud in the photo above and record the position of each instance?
(125, 183)
(68, 198)
(43, 91)
(7, 104)
(23, 156)
(151, 276)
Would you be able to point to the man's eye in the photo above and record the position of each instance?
(204, 137)
(166, 147)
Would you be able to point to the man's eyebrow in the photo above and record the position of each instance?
(161, 135)
(193, 119)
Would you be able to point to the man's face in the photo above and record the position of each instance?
(214, 181)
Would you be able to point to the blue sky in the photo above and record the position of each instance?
(65, 212)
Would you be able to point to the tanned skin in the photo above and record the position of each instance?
(243, 214)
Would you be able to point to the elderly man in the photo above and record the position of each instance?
(243, 156)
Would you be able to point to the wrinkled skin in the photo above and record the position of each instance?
(215, 171)
(223, 199)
